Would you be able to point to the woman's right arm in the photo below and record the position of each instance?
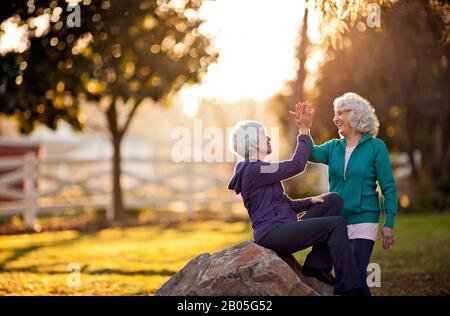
(268, 173)
(321, 153)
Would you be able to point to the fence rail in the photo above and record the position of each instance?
(30, 186)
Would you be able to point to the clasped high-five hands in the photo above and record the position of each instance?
(303, 116)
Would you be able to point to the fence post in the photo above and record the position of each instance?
(189, 190)
(110, 209)
(30, 166)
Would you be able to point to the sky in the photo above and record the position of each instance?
(256, 40)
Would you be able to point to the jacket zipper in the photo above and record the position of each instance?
(348, 162)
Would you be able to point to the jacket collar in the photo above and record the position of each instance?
(364, 137)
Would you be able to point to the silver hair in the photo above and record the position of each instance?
(243, 138)
(361, 114)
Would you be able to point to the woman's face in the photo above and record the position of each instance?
(342, 122)
(264, 147)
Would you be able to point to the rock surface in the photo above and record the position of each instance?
(246, 269)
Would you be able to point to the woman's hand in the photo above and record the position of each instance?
(319, 198)
(303, 115)
(387, 234)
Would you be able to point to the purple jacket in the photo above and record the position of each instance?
(262, 192)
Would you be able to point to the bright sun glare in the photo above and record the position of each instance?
(256, 40)
(14, 37)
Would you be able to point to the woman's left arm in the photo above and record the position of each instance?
(387, 183)
(301, 205)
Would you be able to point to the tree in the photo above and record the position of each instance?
(403, 70)
(123, 52)
(334, 17)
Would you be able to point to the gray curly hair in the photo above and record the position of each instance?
(361, 114)
(243, 139)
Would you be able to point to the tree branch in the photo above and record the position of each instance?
(111, 116)
(123, 130)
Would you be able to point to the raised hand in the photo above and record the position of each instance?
(303, 115)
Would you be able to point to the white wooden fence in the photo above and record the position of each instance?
(56, 185)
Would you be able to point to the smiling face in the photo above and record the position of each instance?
(264, 147)
(342, 122)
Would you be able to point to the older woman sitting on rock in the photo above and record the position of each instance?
(274, 215)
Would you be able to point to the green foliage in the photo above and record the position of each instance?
(431, 196)
(123, 49)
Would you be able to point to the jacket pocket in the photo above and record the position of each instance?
(370, 202)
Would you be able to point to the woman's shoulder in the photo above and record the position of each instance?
(335, 140)
(250, 165)
(378, 143)
(379, 147)
(332, 142)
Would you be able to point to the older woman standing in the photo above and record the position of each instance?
(355, 163)
(274, 215)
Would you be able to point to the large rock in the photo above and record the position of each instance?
(246, 269)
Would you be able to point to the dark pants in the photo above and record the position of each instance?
(362, 250)
(323, 228)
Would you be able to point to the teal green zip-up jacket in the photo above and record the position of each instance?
(369, 162)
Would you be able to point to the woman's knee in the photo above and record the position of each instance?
(339, 223)
(335, 201)
(340, 220)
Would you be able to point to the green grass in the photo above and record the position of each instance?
(419, 262)
(137, 261)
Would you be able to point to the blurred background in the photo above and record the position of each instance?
(94, 94)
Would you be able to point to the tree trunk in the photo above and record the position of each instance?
(411, 138)
(299, 92)
(445, 161)
(411, 123)
(118, 211)
(301, 56)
